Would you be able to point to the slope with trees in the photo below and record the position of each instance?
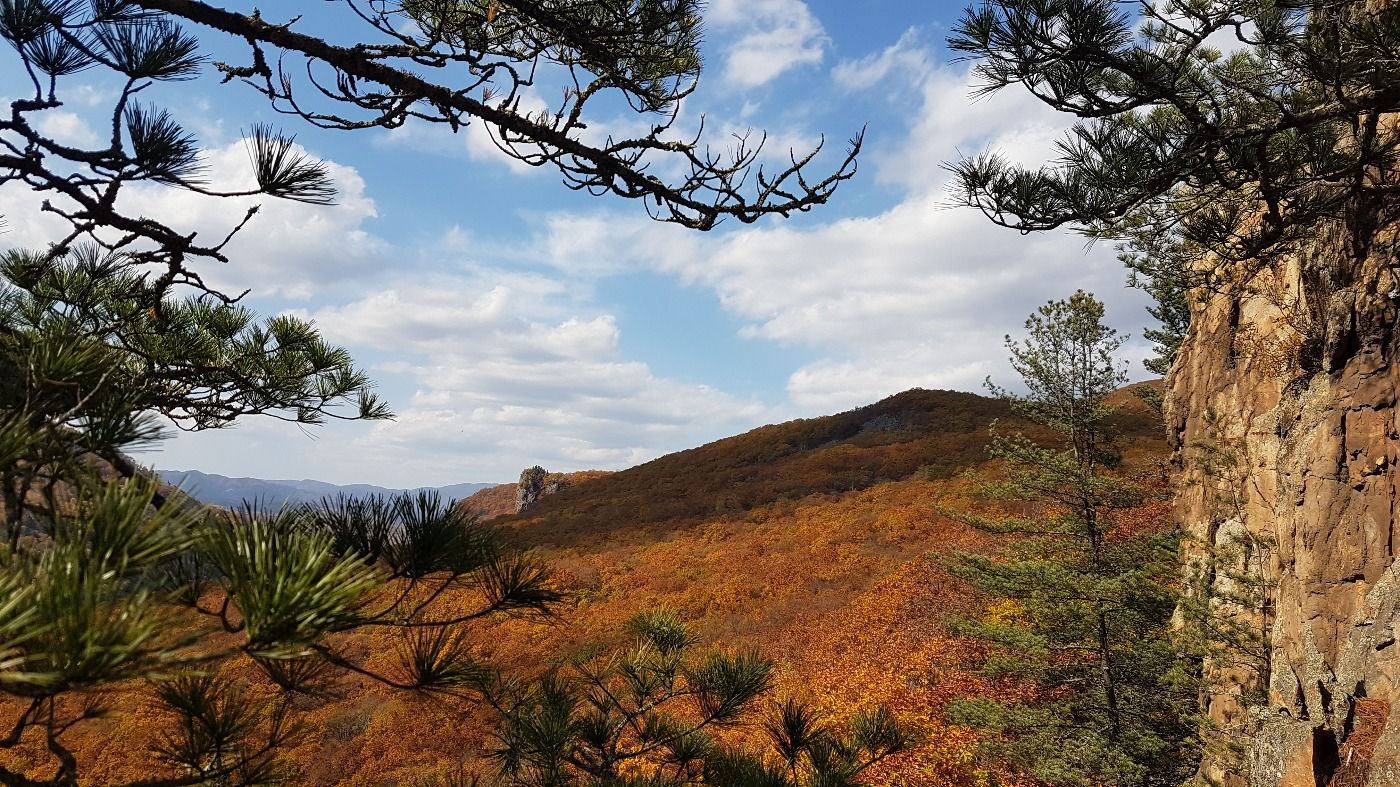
(1244, 156)
(1084, 594)
(854, 600)
(935, 433)
(113, 332)
(852, 605)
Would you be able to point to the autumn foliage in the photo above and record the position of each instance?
(818, 542)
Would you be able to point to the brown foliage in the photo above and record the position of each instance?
(882, 442)
(815, 540)
(1369, 717)
(500, 500)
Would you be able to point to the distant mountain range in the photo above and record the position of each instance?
(218, 490)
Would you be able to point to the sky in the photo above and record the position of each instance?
(511, 322)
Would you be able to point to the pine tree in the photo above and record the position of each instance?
(91, 355)
(1241, 152)
(1228, 604)
(110, 596)
(1215, 134)
(1163, 266)
(112, 333)
(109, 585)
(1082, 621)
(646, 717)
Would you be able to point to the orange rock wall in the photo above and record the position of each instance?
(1295, 367)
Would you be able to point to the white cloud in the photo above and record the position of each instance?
(491, 311)
(494, 369)
(907, 60)
(831, 384)
(580, 414)
(773, 36)
(918, 295)
(915, 295)
(510, 368)
(67, 128)
(950, 124)
(510, 374)
(289, 249)
(90, 95)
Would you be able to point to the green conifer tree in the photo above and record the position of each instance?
(1083, 632)
(1216, 133)
(1240, 126)
(646, 717)
(112, 333)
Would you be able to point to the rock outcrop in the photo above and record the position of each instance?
(1293, 371)
(536, 482)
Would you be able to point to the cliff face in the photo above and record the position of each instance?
(1293, 371)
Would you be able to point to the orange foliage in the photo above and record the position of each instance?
(492, 502)
(816, 541)
(497, 501)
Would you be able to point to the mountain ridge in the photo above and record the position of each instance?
(231, 491)
(936, 434)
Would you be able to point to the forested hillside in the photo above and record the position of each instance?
(819, 541)
(934, 434)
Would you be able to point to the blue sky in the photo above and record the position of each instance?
(511, 322)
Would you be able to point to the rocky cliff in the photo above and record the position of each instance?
(536, 482)
(1292, 373)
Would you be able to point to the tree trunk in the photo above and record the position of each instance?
(1110, 688)
(1296, 367)
(14, 511)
